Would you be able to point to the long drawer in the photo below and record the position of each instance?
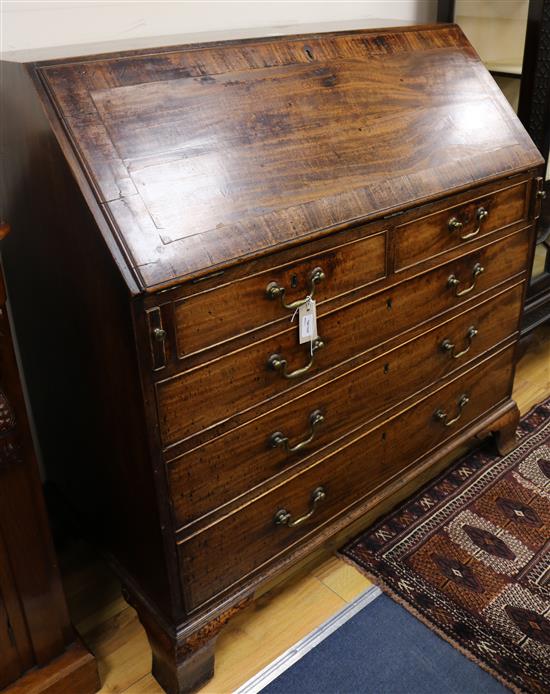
(250, 454)
(217, 315)
(213, 559)
(210, 393)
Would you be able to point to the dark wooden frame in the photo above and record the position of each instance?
(39, 650)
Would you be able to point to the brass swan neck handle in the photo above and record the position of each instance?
(442, 416)
(275, 290)
(279, 363)
(283, 517)
(453, 281)
(449, 347)
(279, 440)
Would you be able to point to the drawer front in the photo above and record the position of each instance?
(250, 454)
(211, 393)
(214, 316)
(440, 232)
(239, 544)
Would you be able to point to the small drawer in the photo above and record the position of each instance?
(261, 449)
(213, 392)
(227, 551)
(442, 231)
(214, 316)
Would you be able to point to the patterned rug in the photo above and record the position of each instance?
(469, 555)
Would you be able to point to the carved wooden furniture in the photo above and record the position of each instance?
(39, 651)
(175, 208)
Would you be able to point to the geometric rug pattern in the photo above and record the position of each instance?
(469, 555)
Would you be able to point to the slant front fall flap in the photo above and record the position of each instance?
(202, 155)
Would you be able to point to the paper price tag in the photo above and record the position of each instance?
(307, 321)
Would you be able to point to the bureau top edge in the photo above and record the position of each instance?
(201, 157)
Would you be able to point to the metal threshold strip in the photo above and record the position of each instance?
(299, 650)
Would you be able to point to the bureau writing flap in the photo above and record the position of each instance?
(202, 155)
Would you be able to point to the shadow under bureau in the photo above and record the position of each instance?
(176, 213)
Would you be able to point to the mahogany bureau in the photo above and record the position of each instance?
(180, 212)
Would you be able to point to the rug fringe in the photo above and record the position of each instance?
(376, 580)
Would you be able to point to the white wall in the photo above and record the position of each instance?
(42, 24)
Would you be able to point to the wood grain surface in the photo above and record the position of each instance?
(241, 379)
(205, 154)
(264, 630)
(200, 174)
(217, 315)
(346, 403)
(357, 469)
(431, 235)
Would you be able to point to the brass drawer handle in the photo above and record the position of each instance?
(274, 290)
(453, 280)
(278, 439)
(448, 346)
(278, 363)
(283, 517)
(455, 224)
(441, 415)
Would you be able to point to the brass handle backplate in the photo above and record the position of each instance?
(279, 440)
(449, 347)
(442, 416)
(278, 363)
(456, 225)
(274, 290)
(159, 334)
(283, 517)
(453, 281)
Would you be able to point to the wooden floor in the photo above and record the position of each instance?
(289, 610)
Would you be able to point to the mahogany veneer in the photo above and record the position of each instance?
(169, 203)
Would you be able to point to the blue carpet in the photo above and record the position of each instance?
(384, 650)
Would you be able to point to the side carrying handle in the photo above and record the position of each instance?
(283, 517)
(274, 290)
(279, 363)
(441, 415)
(279, 440)
(453, 280)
